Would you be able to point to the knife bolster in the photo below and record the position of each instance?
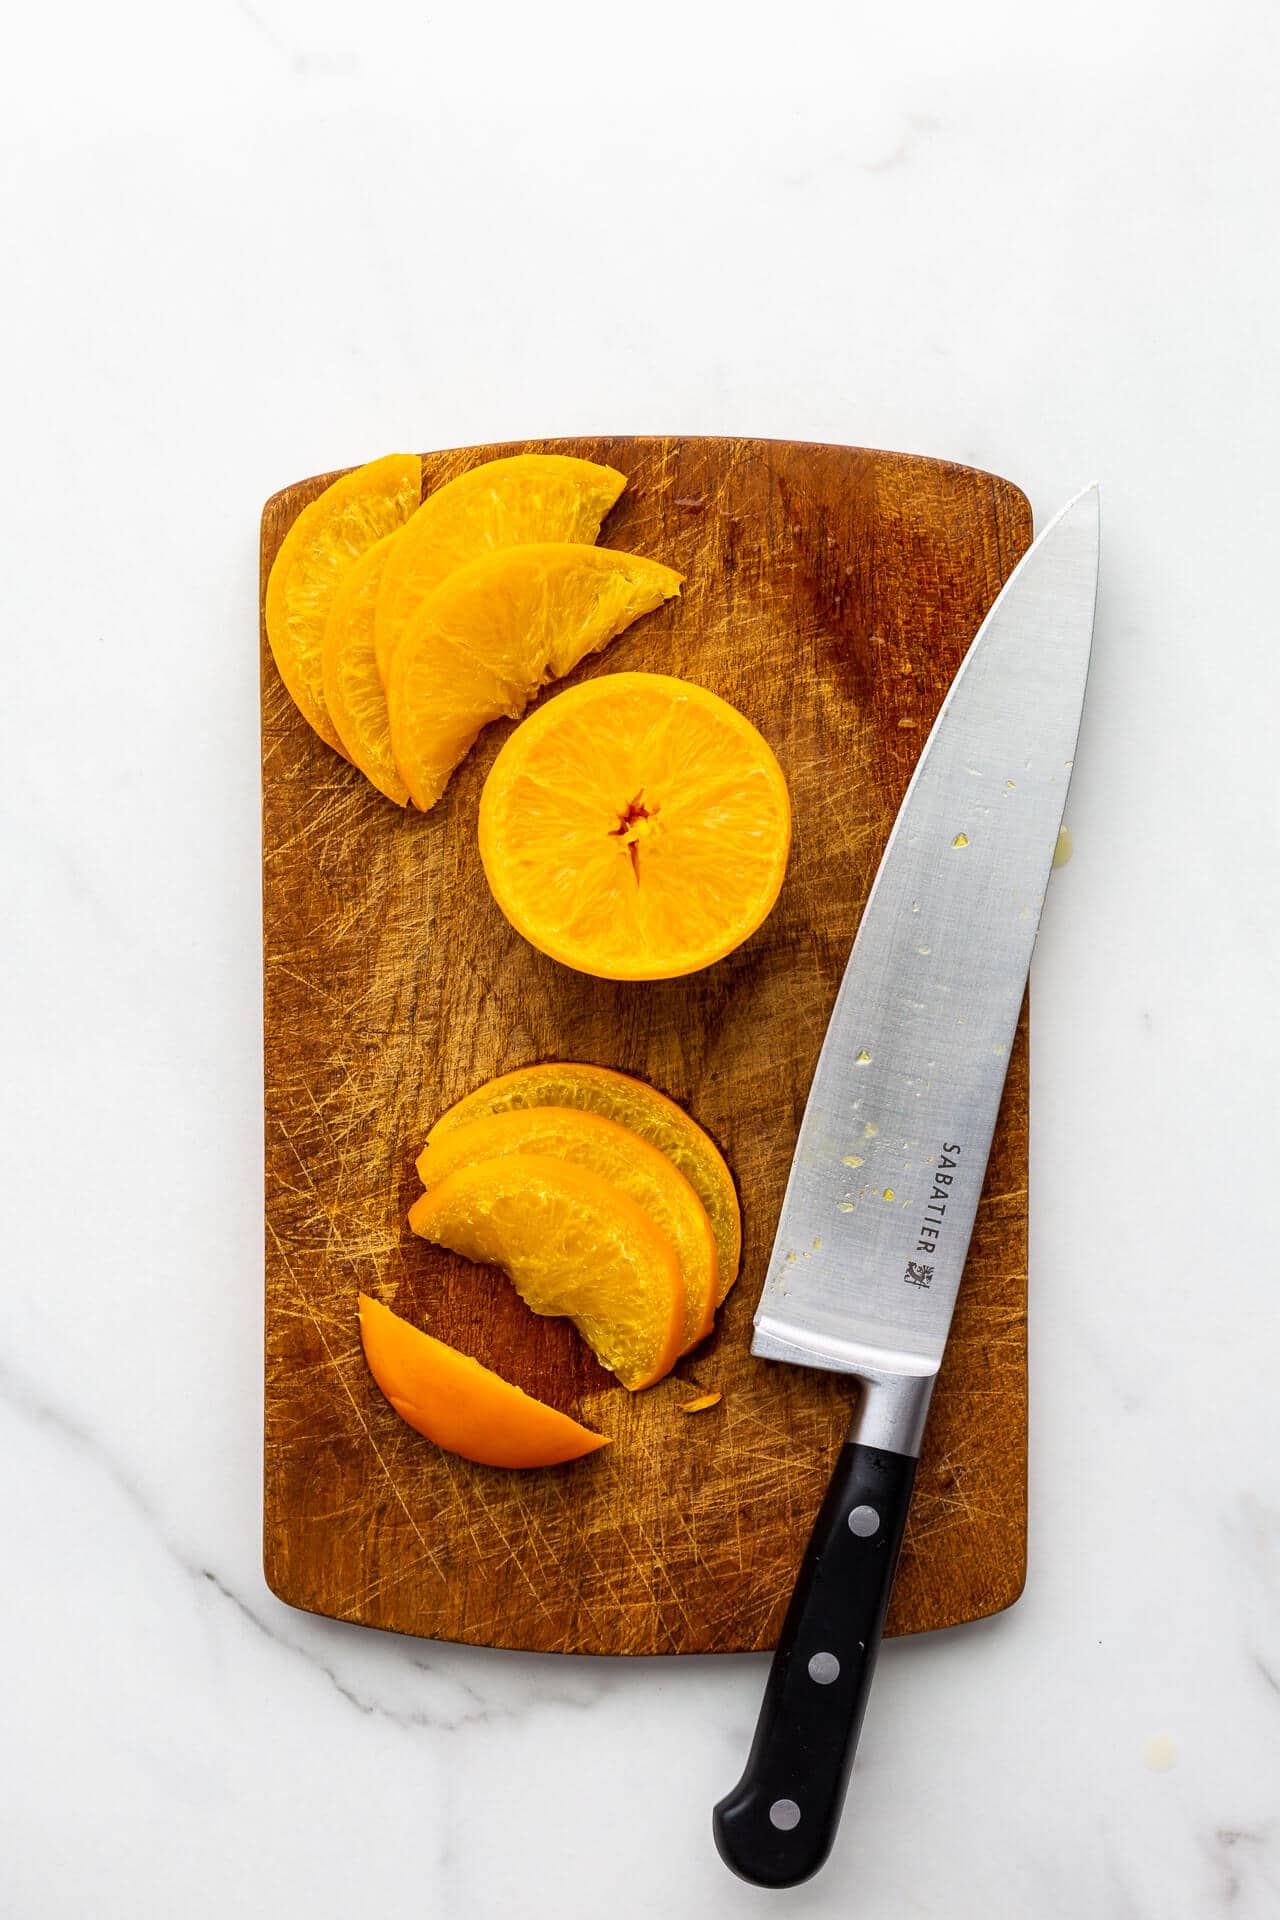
(891, 1411)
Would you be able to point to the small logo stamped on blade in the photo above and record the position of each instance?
(930, 1229)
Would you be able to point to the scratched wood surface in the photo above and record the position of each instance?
(830, 595)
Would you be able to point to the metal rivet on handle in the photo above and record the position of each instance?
(824, 1668)
(864, 1521)
(784, 1814)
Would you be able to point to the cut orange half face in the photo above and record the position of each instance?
(636, 827)
(495, 632)
(321, 546)
(622, 1157)
(633, 1104)
(462, 1406)
(501, 503)
(572, 1244)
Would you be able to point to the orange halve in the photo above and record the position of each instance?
(462, 1406)
(636, 827)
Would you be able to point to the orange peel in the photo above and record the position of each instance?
(464, 1407)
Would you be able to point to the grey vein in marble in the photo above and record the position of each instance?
(476, 1708)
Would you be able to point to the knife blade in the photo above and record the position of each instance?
(891, 1156)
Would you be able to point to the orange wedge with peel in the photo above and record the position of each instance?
(620, 1156)
(324, 542)
(462, 1406)
(573, 1244)
(493, 633)
(500, 503)
(636, 827)
(353, 692)
(634, 1104)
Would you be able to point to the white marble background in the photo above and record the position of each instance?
(249, 239)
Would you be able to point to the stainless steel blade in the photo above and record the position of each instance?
(893, 1147)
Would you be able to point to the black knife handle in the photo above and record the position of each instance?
(777, 1826)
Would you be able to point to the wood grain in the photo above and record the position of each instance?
(830, 595)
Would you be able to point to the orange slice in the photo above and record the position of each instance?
(573, 1244)
(634, 1104)
(352, 690)
(588, 1140)
(501, 503)
(462, 1406)
(493, 633)
(636, 827)
(324, 541)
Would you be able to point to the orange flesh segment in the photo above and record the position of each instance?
(500, 503)
(700, 1405)
(633, 1104)
(462, 1406)
(484, 642)
(352, 690)
(323, 543)
(620, 1156)
(636, 827)
(572, 1244)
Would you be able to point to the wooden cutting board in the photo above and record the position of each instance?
(830, 594)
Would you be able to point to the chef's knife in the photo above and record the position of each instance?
(891, 1155)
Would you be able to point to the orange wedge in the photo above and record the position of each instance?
(573, 1244)
(352, 690)
(496, 631)
(501, 503)
(634, 1104)
(636, 827)
(588, 1140)
(322, 544)
(462, 1406)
